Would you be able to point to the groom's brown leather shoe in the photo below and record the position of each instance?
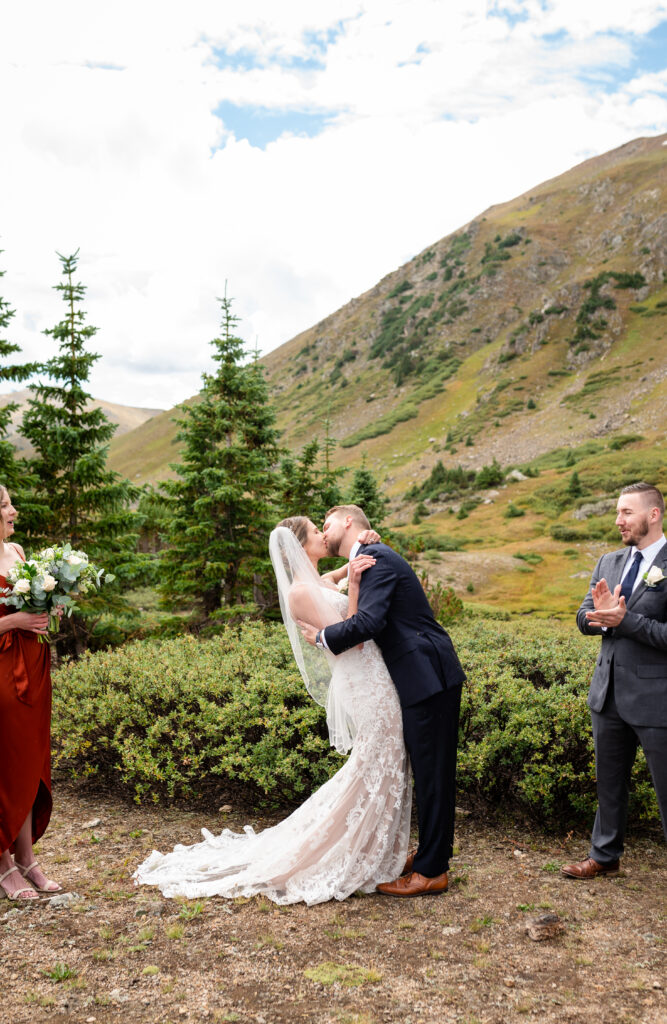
(407, 867)
(590, 868)
(414, 884)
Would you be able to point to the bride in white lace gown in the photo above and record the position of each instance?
(353, 832)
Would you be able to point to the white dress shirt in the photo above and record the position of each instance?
(649, 555)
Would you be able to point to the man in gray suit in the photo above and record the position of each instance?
(627, 606)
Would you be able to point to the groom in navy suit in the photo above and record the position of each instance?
(419, 654)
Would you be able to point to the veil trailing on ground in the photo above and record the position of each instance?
(304, 596)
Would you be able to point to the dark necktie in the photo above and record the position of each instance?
(630, 577)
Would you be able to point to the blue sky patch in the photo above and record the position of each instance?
(262, 125)
(650, 51)
(647, 54)
(316, 45)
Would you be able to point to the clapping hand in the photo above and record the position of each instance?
(609, 608)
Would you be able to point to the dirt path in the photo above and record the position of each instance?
(122, 954)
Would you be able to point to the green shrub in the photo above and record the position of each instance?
(512, 511)
(525, 740)
(622, 440)
(447, 607)
(383, 425)
(404, 286)
(490, 476)
(185, 718)
(531, 557)
(188, 718)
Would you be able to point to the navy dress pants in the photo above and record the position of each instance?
(431, 736)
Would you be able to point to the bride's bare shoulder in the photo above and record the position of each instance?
(300, 599)
(305, 597)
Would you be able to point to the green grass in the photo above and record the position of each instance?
(347, 975)
(60, 972)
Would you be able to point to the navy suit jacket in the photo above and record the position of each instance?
(637, 648)
(393, 611)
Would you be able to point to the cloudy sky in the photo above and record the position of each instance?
(298, 150)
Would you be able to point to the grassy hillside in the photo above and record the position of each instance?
(145, 454)
(534, 336)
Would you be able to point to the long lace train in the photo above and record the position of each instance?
(349, 835)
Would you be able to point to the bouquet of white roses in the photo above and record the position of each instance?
(52, 580)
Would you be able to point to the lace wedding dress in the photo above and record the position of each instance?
(349, 835)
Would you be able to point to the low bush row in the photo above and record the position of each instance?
(229, 717)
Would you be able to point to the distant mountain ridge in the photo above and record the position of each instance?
(126, 418)
(541, 322)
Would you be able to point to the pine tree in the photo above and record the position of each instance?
(309, 485)
(11, 473)
(221, 502)
(81, 500)
(365, 492)
(574, 489)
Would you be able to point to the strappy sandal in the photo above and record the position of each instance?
(26, 871)
(19, 894)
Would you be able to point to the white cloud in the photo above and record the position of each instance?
(111, 144)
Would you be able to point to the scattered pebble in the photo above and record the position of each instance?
(14, 912)
(93, 823)
(118, 996)
(546, 926)
(452, 929)
(225, 809)
(65, 899)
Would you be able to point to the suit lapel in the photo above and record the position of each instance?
(614, 577)
(661, 561)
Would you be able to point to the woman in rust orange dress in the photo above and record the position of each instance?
(25, 727)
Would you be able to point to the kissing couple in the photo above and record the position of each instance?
(391, 682)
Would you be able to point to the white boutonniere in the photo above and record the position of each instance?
(342, 585)
(654, 576)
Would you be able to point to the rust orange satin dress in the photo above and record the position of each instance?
(25, 732)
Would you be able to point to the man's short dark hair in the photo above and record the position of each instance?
(652, 495)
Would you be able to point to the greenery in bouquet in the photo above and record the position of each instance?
(52, 579)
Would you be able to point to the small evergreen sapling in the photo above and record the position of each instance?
(220, 504)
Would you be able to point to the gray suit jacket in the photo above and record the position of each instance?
(637, 647)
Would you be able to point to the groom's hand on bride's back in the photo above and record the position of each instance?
(369, 537)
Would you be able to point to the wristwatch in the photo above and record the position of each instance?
(318, 641)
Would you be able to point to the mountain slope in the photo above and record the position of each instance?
(459, 341)
(543, 319)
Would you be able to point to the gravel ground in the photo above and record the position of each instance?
(121, 954)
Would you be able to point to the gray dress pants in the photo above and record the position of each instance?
(616, 743)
